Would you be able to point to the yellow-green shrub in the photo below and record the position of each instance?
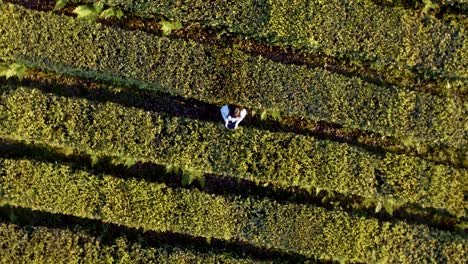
(219, 75)
(302, 229)
(111, 130)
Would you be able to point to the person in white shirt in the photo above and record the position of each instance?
(232, 115)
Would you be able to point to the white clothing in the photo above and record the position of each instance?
(229, 119)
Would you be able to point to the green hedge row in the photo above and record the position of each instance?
(51, 245)
(109, 129)
(461, 4)
(428, 6)
(360, 30)
(407, 76)
(219, 75)
(306, 230)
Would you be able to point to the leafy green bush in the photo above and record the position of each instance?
(12, 70)
(37, 244)
(60, 4)
(220, 75)
(168, 26)
(89, 12)
(188, 176)
(109, 129)
(306, 230)
(112, 12)
(93, 12)
(461, 4)
(356, 30)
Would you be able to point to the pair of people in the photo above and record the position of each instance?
(232, 115)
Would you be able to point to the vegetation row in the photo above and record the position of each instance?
(37, 244)
(462, 4)
(178, 177)
(306, 230)
(226, 75)
(391, 37)
(372, 72)
(432, 5)
(109, 129)
(166, 243)
(274, 121)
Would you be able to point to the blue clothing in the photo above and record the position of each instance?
(229, 121)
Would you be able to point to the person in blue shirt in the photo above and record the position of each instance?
(232, 115)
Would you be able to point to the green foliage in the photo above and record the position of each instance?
(378, 207)
(317, 191)
(186, 180)
(86, 12)
(112, 12)
(402, 41)
(13, 70)
(39, 244)
(60, 4)
(127, 161)
(313, 231)
(93, 12)
(191, 175)
(429, 5)
(389, 206)
(168, 26)
(111, 130)
(276, 115)
(290, 89)
(94, 160)
(107, 129)
(130, 162)
(173, 169)
(187, 175)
